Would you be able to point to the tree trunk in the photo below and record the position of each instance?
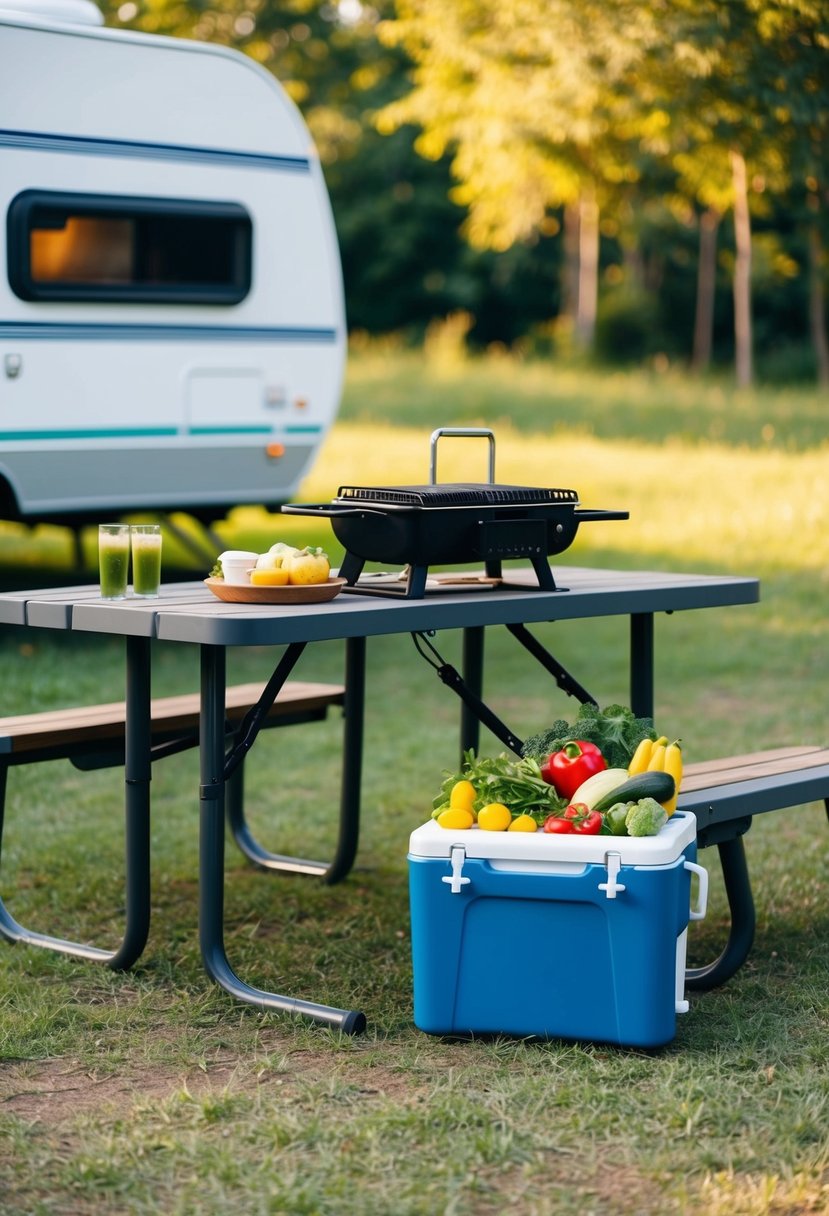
(742, 273)
(570, 272)
(706, 285)
(817, 298)
(588, 269)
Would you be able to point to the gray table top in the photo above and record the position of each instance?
(189, 612)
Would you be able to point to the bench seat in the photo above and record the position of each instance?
(98, 730)
(725, 792)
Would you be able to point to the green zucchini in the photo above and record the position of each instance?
(657, 785)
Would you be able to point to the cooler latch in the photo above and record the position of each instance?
(614, 865)
(456, 879)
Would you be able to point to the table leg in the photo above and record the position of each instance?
(641, 664)
(473, 676)
(211, 860)
(137, 773)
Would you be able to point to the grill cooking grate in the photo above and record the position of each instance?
(456, 494)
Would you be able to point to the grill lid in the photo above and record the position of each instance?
(457, 494)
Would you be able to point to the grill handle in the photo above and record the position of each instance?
(459, 432)
(584, 516)
(334, 509)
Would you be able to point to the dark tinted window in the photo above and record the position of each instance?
(133, 250)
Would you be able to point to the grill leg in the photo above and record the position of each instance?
(741, 905)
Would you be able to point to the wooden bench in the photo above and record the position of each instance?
(725, 795)
(92, 737)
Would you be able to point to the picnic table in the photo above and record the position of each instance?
(188, 613)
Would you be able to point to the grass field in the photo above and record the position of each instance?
(151, 1091)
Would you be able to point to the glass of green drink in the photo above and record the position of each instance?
(146, 559)
(113, 560)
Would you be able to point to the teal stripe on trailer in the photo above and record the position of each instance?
(144, 432)
(230, 430)
(76, 331)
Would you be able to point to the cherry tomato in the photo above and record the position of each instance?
(577, 810)
(557, 824)
(590, 825)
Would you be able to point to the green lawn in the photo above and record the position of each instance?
(151, 1091)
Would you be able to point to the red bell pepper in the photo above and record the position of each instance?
(568, 768)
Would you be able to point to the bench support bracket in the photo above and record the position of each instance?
(741, 906)
(349, 826)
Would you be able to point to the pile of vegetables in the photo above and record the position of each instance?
(604, 774)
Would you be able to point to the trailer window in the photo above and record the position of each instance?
(131, 250)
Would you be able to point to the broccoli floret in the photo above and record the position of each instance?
(546, 742)
(645, 818)
(616, 731)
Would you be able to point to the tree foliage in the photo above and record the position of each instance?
(487, 156)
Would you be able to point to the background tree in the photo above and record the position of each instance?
(567, 152)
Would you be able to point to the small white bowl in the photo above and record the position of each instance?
(236, 566)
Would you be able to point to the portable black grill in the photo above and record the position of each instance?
(450, 523)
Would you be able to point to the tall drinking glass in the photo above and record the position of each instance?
(146, 559)
(113, 560)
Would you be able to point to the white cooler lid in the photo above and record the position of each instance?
(431, 840)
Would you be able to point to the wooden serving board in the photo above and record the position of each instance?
(309, 593)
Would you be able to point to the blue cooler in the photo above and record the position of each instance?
(573, 937)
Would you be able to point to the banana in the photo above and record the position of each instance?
(673, 765)
(641, 757)
(656, 764)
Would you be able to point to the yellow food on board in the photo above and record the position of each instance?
(455, 817)
(494, 818)
(277, 577)
(307, 567)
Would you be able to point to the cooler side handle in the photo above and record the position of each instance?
(698, 913)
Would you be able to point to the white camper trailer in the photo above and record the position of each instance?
(172, 330)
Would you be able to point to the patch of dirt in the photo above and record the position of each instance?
(56, 1091)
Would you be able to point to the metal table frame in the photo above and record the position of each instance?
(189, 613)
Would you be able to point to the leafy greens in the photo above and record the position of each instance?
(615, 730)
